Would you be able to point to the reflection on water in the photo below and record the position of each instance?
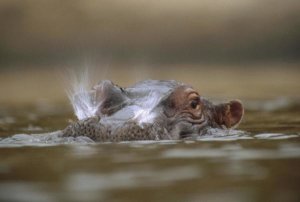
(54, 138)
(257, 162)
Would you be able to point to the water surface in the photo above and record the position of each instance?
(259, 161)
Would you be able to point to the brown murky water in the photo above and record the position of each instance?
(258, 162)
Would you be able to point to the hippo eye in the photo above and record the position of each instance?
(194, 104)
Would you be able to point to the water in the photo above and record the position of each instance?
(259, 161)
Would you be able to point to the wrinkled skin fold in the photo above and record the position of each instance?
(150, 110)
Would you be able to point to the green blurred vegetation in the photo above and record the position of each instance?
(166, 31)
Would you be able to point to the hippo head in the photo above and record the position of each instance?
(189, 113)
(176, 107)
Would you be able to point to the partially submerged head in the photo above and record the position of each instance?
(189, 113)
(175, 106)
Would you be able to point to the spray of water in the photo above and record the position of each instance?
(80, 96)
(145, 112)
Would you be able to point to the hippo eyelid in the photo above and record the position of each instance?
(196, 99)
(192, 95)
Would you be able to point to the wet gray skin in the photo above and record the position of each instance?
(151, 110)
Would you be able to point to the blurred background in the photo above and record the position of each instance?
(227, 49)
(247, 49)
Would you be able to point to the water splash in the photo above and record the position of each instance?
(145, 112)
(80, 96)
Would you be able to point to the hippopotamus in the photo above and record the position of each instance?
(148, 110)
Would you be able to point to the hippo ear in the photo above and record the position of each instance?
(229, 114)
